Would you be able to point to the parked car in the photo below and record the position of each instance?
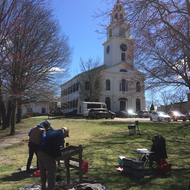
(160, 116)
(176, 115)
(131, 113)
(143, 113)
(121, 114)
(71, 113)
(188, 115)
(101, 113)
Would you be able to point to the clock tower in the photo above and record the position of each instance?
(118, 48)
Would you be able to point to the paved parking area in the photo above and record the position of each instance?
(147, 120)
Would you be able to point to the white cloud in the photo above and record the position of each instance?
(55, 70)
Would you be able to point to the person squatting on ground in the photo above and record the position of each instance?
(36, 134)
(48, 150)
(159, 149)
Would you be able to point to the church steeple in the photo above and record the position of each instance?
(118, 26)
(118, 14)
(119, 44)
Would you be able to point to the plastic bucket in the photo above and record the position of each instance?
(85, 167)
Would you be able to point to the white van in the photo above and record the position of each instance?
(84, 107)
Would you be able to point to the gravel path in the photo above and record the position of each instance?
(15, 139)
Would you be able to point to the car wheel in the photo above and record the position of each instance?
(112, 116)
(159, 119)
(150, 118)
(169, 120)
(98, 117)
(174, 119)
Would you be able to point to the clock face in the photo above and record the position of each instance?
(108, 49)
(123, 47)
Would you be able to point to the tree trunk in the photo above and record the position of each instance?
(19, 110)
(9, 112)
(2, 108)
(13, 106)
(0, 118)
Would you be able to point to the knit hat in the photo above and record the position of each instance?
(47, 121)
(65, 130)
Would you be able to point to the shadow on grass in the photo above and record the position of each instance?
(14, 177)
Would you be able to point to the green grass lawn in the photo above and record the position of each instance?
(103, 141)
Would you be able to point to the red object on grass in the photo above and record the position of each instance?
(85, 167)
(37, 173)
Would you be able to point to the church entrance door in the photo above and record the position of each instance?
(123, 104)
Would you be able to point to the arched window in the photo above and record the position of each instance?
(138, 87)
(108, 103)
(123, 85)
(107, 84)
(123, 70)
(116, 17)
(120, 17)
(110, 33)
(138, 105)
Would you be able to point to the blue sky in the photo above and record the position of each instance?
(75, 18)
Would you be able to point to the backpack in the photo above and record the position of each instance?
(164, 168)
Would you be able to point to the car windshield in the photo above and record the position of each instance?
(177, 113)
(162, 113)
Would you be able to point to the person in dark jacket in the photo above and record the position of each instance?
(159, 149)
(48, 150)
(47, 125)
(36, 134)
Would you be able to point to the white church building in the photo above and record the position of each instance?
(123, 84)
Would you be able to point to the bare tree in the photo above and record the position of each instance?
(90, 79)
(32, 46)
(162, 33)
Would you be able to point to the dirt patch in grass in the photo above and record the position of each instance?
(3, 160)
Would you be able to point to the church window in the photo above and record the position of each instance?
(119, 7)
(116, 17)
(122, 32)
(110, 33)
(108, 103)
(123, 85)
(120, 17)
(97, 85)
(77, 86)
(122, 56)
(138, 87)
(87, 85)
(123, 70)
(74, 104)
(138, 105)
(107, 84)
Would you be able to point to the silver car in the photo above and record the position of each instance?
(160, 116)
